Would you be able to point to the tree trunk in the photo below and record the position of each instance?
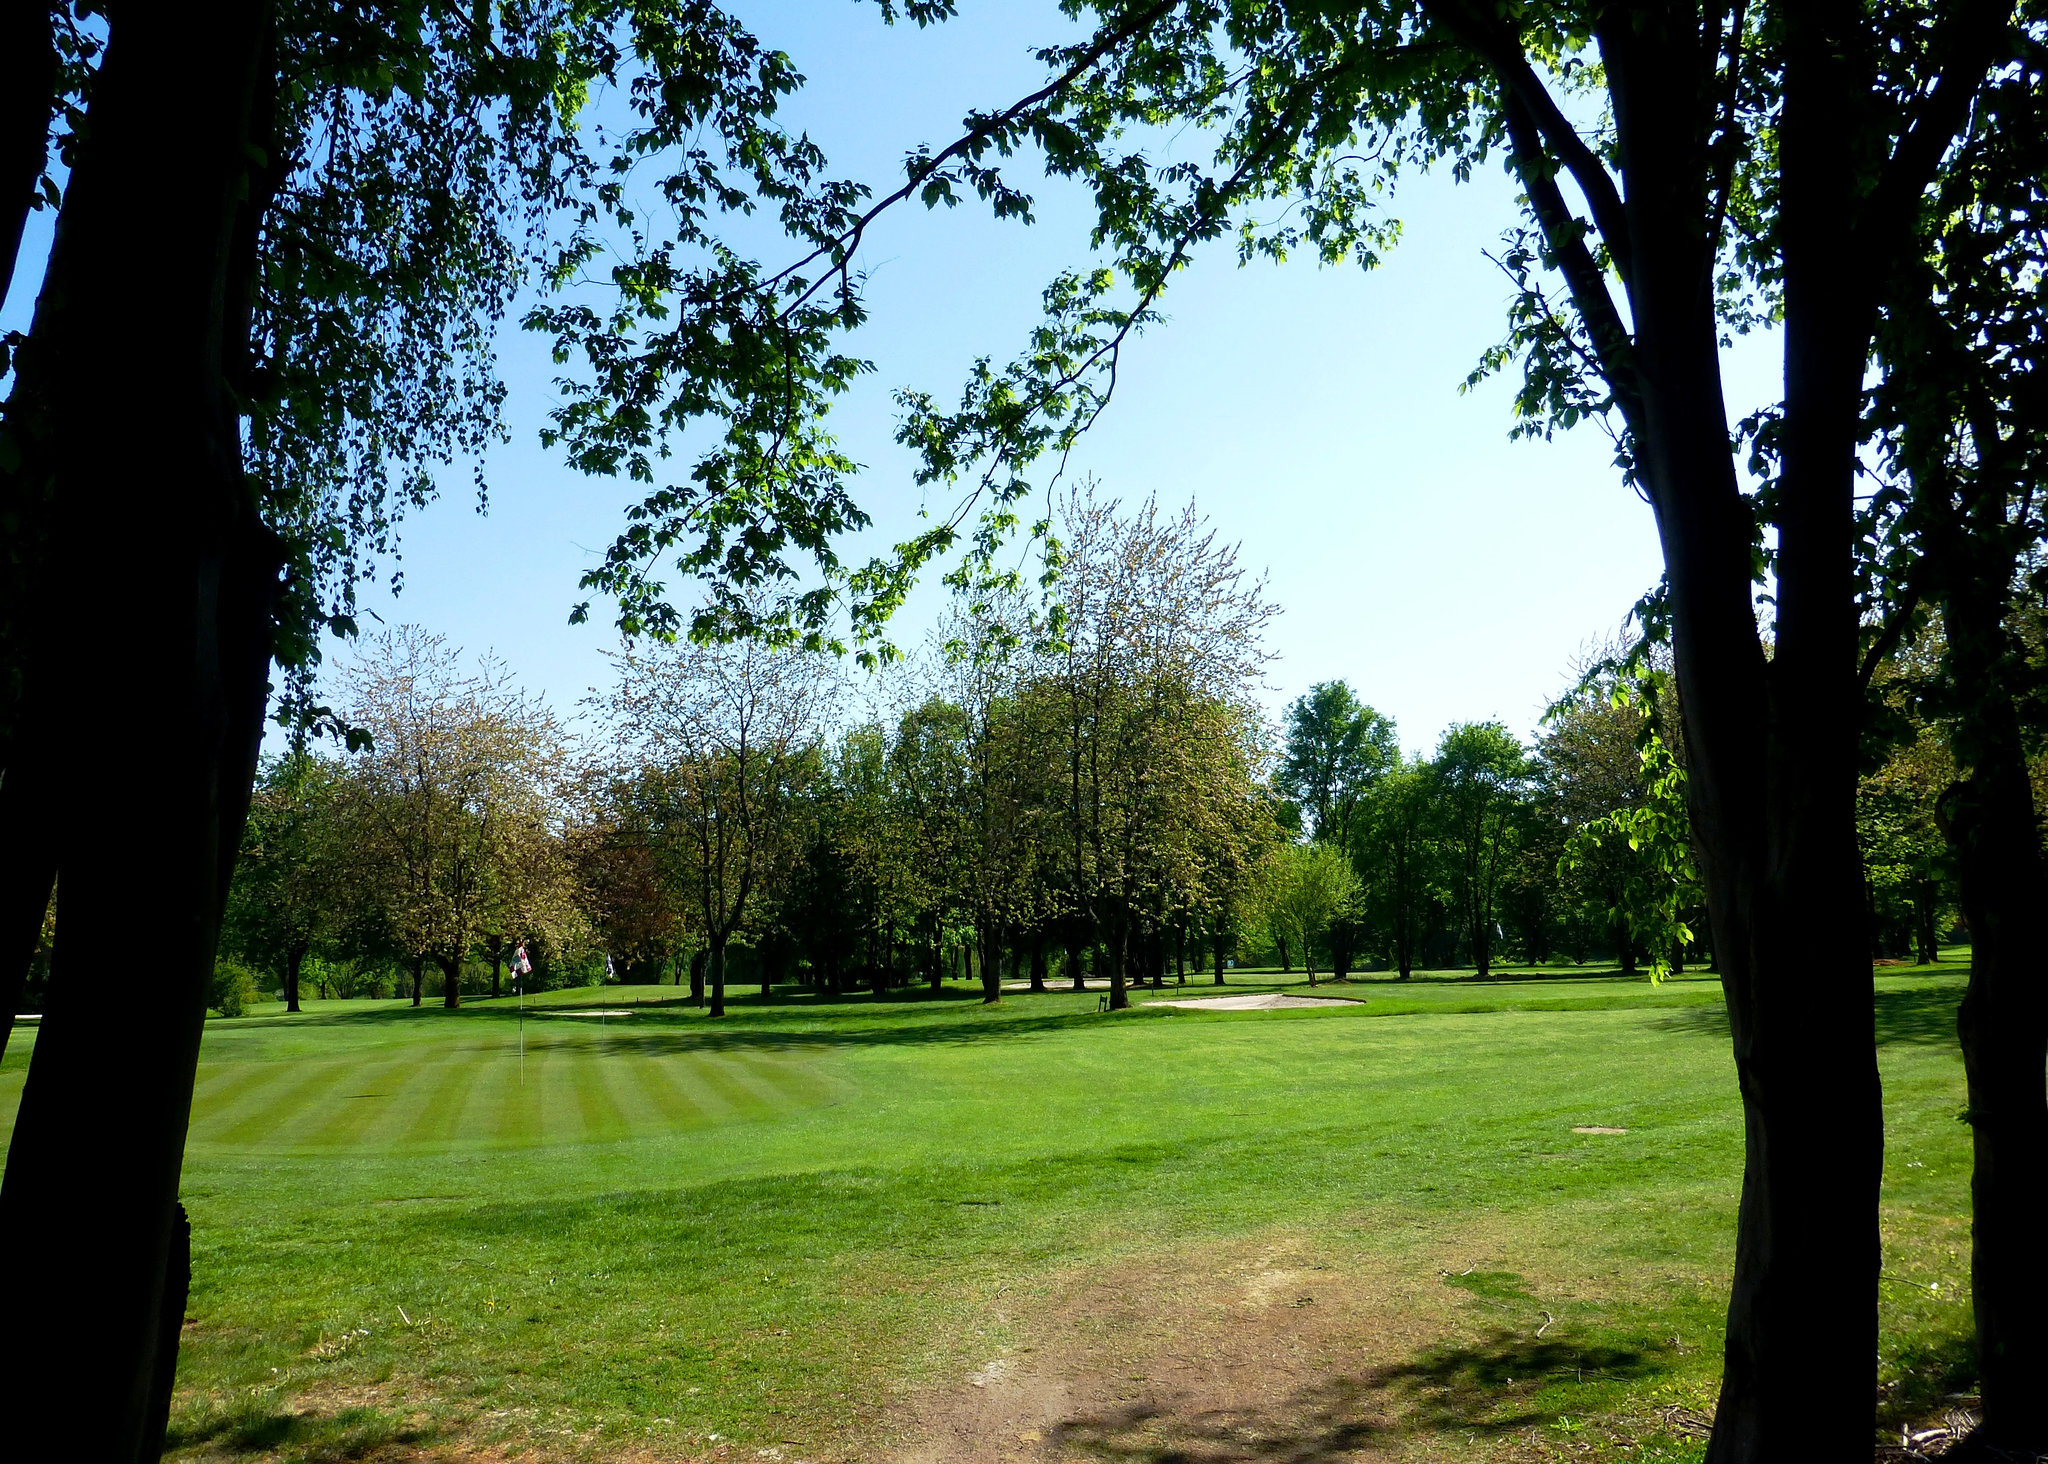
(1119, 997)
(497, 948)
(991, 969)
(451, 981)
(419, 973)
(697, 961)
(1217, 951)
(1038, 964)
(717, 964)
(1991, 824)
(1074, 971)
(294, 961)
(1286, 961)
(151, 546)
(1926, 946)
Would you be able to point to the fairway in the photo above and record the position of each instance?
(562, 1083)
(928, 1230)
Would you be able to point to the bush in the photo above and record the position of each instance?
(234, 987)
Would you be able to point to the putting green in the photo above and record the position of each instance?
(571, 1086)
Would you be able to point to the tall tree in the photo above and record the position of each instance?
(1335, 749)
(732, 729)
(1481, 775)
(286, 896)
(452, 795)
(1957, 530)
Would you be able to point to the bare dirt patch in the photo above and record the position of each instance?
(1263, 1351)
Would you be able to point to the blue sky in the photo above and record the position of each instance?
(1314, 415)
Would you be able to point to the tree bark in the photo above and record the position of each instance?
(717, 974)
(1119, 996)
(419, 978)
(991, 968)
(294, 961)
(451, 981)
(1991, 824)
(1038, 964)
(153, 545)
(1074, 971)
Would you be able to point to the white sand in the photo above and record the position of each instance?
(1264, 1002)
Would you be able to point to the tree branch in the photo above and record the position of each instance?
(1967, 43)
(1501, 49)
(1566, 237)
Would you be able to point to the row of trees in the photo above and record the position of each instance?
(1098, 799)
(1078, 782)
(1577, 845)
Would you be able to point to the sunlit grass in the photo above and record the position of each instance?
(645, 1230)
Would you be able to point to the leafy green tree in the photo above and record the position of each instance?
(1657, 880)
(1336, 749)
(1303, 890)
(290, 878)
(731, 730)
(1481, 776)
(1400, 855)
(451, 799)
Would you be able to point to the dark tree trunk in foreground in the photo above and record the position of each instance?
(1038, 964)
(419, 978)
(1770, 743)
(1074, 971)
(697, 960)
(152, 545)
(1992, 826)
(1219, 961)
(294, 962)
(1119, 958)
(717, 974)
(451, 981)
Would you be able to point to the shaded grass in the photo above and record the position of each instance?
(660, 1228)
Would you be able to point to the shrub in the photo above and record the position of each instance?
(234, 987)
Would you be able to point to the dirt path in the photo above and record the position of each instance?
(1259, 1351)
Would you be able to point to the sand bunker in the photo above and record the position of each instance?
(1264, 1002)
(1596, 1128)
(605, 1012)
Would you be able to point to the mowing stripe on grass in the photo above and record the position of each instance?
(341, 1124)
(601, 1116)
(437, 1116)
(693, 1100)
(252, 1118)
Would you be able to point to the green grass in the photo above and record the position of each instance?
(649, 1230)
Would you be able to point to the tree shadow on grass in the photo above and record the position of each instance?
(1920, 1016)
(1454, 1393)
(302, 1438)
